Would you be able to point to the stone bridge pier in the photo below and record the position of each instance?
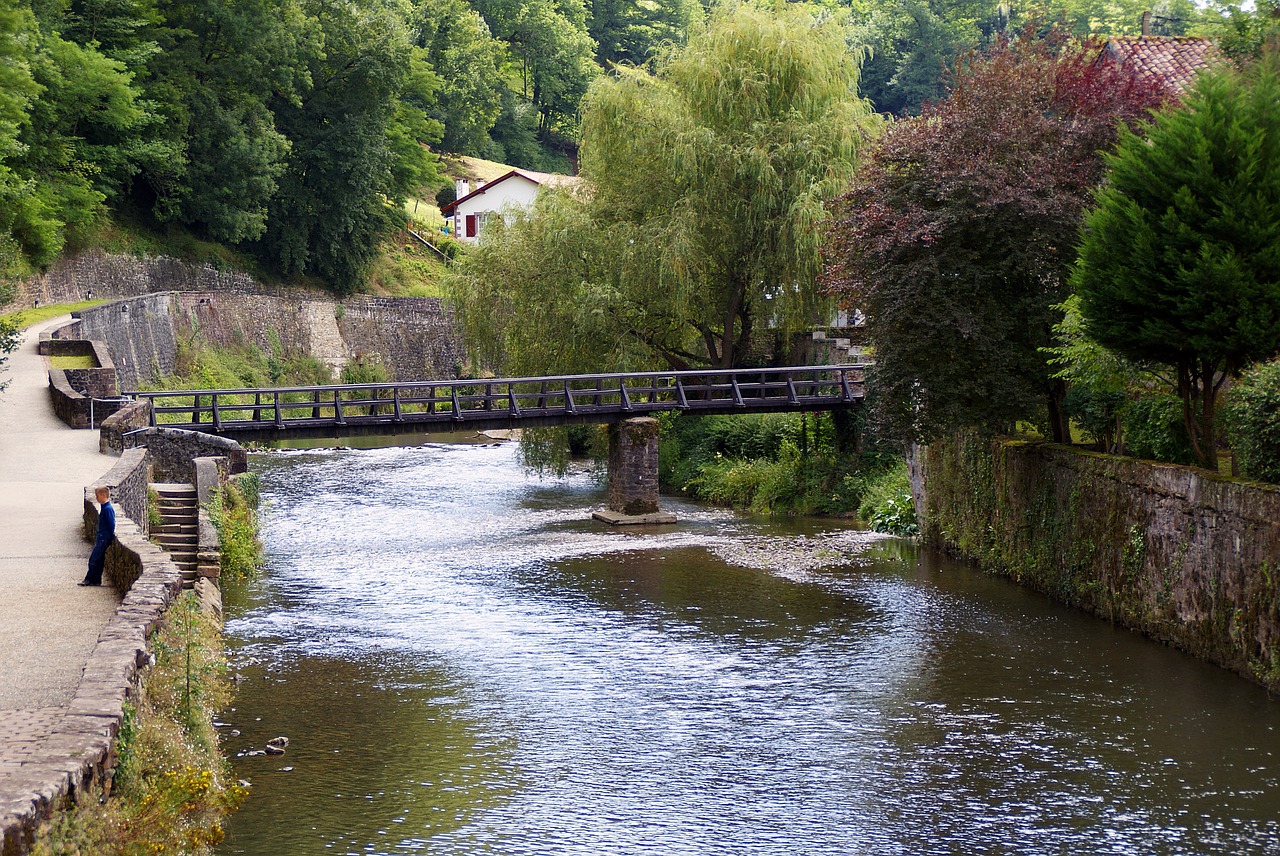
(633, 474)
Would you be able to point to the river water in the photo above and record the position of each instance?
(464, 663)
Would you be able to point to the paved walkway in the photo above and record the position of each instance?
(48, 625)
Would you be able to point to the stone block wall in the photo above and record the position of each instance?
(128, 481)
(415, 337)
(1180, 554)
(71, 390)
(174, 453)
(101, 275)
(139, 334)
(112, 439)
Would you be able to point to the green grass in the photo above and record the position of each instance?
(424, 214)
(23, 318)
(405, 268)
(85, 361)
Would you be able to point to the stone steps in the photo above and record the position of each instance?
(179, 533)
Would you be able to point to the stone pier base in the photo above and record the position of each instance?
(633, 474)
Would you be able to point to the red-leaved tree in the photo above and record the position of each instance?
(956, 236)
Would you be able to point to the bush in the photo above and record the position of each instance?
(887, 505)
(776, 463)
(1154, 429)
(1252, 420)
(232, 511)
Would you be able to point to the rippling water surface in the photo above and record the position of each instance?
(464, 663)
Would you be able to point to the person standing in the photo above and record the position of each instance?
(106, 532)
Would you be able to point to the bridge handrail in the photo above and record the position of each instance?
(468, 382)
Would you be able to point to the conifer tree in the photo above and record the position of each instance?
(1180, 261)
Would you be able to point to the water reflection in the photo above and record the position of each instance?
(465, 662)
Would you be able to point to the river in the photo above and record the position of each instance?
(464, 663)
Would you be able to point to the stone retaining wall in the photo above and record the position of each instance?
(1180, 554)
(82, 398)
(135, 415)
(163, 299)
(80, 751)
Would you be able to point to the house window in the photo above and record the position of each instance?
(471, 226)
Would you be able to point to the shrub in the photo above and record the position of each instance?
(154, 518)
(887, 504)
(231, 509)
(1154, 429)
(1252, 420)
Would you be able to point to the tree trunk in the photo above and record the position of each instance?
(848, 439)
(1059, 425)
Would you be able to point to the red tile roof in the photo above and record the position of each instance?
(1172, 60)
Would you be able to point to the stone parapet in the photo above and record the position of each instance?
(115, 432)
(81, 397)
(75, 752)
(174, 452)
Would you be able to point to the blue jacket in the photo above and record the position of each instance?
(106, 525)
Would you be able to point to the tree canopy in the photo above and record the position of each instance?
(956, 237)
(1180, 262)
(699, 219)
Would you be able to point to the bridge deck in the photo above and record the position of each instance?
(441, 406)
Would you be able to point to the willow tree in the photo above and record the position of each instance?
(700, 215)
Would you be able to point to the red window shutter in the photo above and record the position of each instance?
(471, 225)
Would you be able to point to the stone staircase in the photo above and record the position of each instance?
(180, 532)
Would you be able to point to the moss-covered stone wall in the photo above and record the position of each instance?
(1180, 554)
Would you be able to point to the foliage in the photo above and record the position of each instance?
(1252, 418)
(1154, 429)
(199, 365)
(365, 368)
(630, 33)
(706, 185)
(887, 504)
(552, 450)
(1100, 382)
(171, 789)
(956, 236)
(461, 50)
(774, 463)
(10, 328)
(408, 269)
(232, 508)
(1180, 262)
(329, 213)
(155, 518)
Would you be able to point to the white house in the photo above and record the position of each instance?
(516, 189)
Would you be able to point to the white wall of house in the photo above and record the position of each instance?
(515, 191)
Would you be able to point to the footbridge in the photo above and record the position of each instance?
(623, 400)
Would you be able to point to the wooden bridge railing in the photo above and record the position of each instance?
(510, 401)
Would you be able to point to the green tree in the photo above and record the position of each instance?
(956, 238)
(1180, 261)
(468, 60)
(217, 157)
(629, 32)
(700, 218)
(549, 38)
(351, 145)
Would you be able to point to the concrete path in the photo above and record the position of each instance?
(48, 625)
